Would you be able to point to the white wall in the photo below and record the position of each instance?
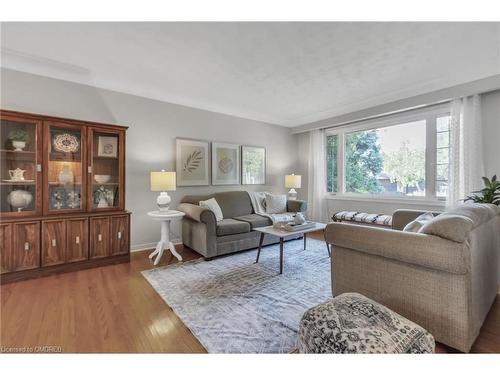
(491, 134)
(154, 125)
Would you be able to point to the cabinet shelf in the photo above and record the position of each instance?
(17, 152)
(105, 158)
(59, 184)
(17, 183)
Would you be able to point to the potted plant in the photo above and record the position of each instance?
(489, 194)
(18, 138)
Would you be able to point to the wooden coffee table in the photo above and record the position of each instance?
(282, 234)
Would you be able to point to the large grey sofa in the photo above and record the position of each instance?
(202, 233)
(446, 286)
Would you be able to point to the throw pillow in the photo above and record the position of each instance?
(213, 206)
(275, 203)
(415, 225)
(451, 227)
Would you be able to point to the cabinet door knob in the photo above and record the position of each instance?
(77, 239)
(99, 237)
(54, 243)
(26, 246)
(119, 235)
(38, 167)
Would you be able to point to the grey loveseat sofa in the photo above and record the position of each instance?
(202, 233)
(445, 281)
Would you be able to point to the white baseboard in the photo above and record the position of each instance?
(151, 245)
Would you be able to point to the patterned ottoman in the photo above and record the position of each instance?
(352, 323)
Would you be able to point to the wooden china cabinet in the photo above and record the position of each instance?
(62, 195)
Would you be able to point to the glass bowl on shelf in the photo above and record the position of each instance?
(102, 178)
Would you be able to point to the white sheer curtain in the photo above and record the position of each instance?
(317, 176)
(466, 149)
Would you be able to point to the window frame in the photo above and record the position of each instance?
(430, 115)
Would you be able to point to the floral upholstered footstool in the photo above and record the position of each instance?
(352, 323)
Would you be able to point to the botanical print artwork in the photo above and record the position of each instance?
(192, 162)
(225, 164)
(253, 165)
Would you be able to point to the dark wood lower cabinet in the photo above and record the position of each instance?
(77, 244)
(53, 242)
(6, 248)
(46, 246)
(120, 242)
(99, 237)
(26, 249)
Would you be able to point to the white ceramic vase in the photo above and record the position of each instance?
(19, 199)
(18, 145)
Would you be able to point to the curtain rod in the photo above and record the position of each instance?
(385, 114)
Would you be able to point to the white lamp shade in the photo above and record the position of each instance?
(163, 181)
(293, 181)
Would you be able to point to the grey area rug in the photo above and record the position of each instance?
(233, 305)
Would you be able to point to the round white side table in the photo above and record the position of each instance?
(165, 217)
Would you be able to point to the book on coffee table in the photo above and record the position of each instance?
(292, 227)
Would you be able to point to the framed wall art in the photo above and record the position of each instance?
(192, 162)
(253, 165)
(225, 163)
(107, 146)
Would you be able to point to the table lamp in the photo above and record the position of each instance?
(163, 182)
(293, 181)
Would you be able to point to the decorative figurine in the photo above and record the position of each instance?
(100, 197)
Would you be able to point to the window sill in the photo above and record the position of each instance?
(408, 201)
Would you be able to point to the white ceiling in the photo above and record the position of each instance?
(283, 73)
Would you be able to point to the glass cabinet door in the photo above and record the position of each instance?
(107, 170)
(64, 172)
(20, 158)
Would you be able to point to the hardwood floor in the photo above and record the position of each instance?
(113, 309)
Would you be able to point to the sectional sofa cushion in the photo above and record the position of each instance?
(226, 227)
(275, 203)
(213, 206)
(451, 227)
(479, 213)
(232, 203)
(419, 222)
(255, 220)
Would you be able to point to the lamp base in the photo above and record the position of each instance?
(163, 201)
(292, 195)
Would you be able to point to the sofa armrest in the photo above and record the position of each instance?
(408, 247)
(402, 217)
(197, 213)
(296, 206)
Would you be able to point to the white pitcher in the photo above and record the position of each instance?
(17, 174)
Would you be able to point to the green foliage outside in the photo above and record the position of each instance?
(406, 167)
(363, 162)
(331, 162)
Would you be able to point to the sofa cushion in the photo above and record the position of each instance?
(419, 222)
(213, 206)
(451, 227)
(275, 203)
(226, 227)
(232, 203)
(255, 220)
(479, 213)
